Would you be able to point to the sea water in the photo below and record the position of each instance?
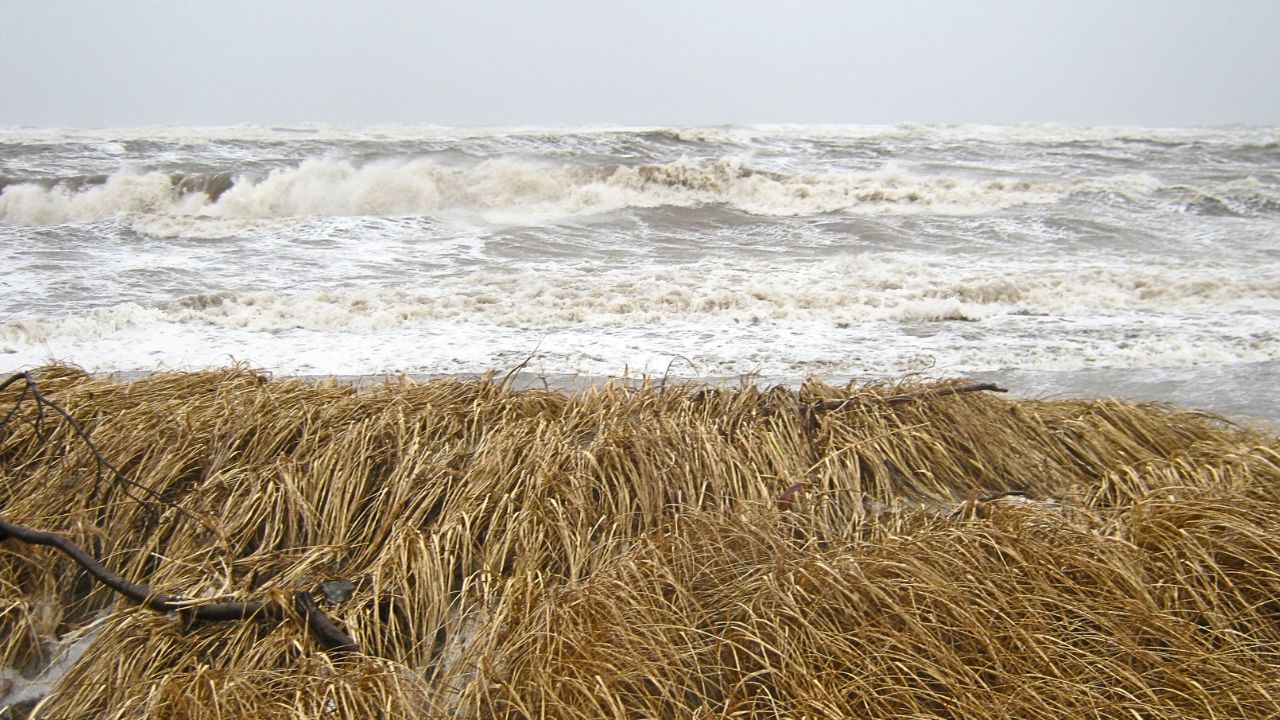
(1137, 262)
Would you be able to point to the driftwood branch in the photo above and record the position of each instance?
(323, 628)
(840, 403)
(32, 390)
(326, 632)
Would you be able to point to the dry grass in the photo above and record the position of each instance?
(620, 552)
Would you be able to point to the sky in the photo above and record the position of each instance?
(651, 62)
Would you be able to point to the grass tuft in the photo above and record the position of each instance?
(652, 551)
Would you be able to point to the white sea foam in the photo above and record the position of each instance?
(839, 292)
(515, 190)
(772, 349)
(509, 190)
(530, 173)
(774, 249)
(882, 310)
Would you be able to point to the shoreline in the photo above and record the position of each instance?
(1246, 394)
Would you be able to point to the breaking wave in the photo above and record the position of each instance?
(444, 250)
(503, 190)
(517, 190)
(1239, 198)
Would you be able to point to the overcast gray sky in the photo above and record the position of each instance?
(548, 62)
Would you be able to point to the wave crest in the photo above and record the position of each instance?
(505, 190)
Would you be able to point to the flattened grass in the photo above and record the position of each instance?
(622, 551)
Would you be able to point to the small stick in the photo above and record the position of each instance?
(42, 402)
(325, 630)
(838, 404)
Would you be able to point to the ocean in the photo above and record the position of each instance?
(1135, 262)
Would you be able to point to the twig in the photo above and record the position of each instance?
(841, 403)
(32, 389)
(42, 402)
(323, 628)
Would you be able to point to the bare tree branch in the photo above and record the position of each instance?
(33, 390)
(323, 628)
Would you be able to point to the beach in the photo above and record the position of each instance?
(762, 421)
(1093, 261)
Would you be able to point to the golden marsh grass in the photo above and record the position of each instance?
(622, 552)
